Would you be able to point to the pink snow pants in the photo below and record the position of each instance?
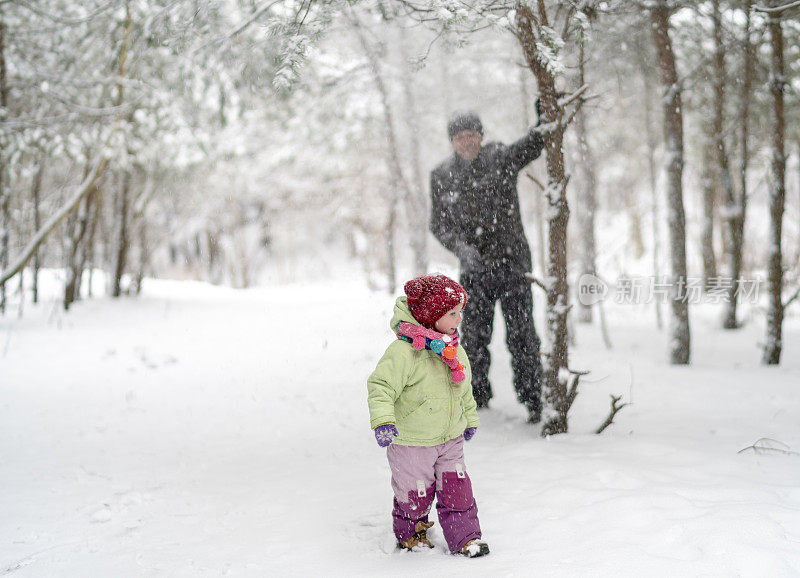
(420, 472)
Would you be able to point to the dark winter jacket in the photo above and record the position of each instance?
(475, 206)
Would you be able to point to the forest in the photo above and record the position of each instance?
(198, 140)
(233, 141)
(208, 207)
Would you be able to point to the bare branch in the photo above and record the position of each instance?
(573, 389)
(536, 181)
(758, 446)
(792, 299)
(542, 13)
(117, 111)
(564, 311)
(67, 21)
(44, 121)
(567, 22)
(255, 16)
(34, 81)
(614, 410)
(535, 281)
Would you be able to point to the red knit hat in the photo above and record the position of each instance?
(431, 296)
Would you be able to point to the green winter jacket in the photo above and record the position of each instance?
(413, 390)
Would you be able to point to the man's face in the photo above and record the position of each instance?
(467, 144)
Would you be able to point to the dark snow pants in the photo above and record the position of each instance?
(419, 473)
(514, 292)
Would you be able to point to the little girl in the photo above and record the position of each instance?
(421, 407)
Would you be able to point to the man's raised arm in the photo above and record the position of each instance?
(525, 150)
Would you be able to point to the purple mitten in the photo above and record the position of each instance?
(469, 432)
(385, 434)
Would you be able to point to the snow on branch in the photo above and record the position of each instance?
(564, 102)
(548, 49)
(83, 189)
(777, 9)
(530, 277)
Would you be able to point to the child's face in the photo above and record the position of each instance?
(448, 323)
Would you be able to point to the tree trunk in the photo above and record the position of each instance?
(711, 182)
(215, 272)
(391, 255)
(446, 95)
(709, 193)
(722, 162)
(123, 242)
(36, 190)
(538, 210)
(141, 264)
(773, 344)
(635, 221)
(5, 239)
(797, 252)
(91, 242)
(5, 193)
(558, 392)
(652, 175)
(77, 227)
(738, 211)
(122, 201)
(417, 201)
(680, 343)
(398, 185)
(587, 204)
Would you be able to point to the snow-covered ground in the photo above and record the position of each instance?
(201, 431)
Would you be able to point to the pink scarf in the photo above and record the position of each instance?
(443, 345)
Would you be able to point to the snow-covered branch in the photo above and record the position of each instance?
(83, 189)
(777, 9)
(67, 21)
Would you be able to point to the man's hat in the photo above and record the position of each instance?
(463, 120)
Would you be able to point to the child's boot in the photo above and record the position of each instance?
(420, 537)
(475, 549)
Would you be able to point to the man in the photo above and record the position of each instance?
(475, 214)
